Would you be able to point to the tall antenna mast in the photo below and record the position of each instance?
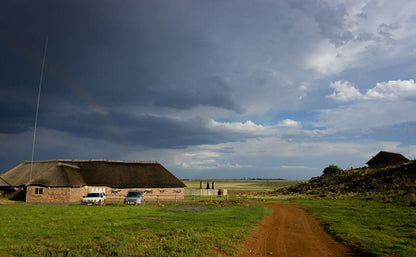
(408, 140)
(37, 108)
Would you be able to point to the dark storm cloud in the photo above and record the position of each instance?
(146, 53)
(144, 130)
(198, 84)
(109, 55)
(108, 58)
(176, 55)
(330, 19)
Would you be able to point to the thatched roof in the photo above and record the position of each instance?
(3, 183)
(76, 173)
(386, 158)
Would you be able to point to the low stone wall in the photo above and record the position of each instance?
(205, 192)
(150, 194)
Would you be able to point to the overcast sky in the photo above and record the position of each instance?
(211, 89)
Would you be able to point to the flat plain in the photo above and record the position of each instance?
(241, 185)
(118, 230)
(373, 225)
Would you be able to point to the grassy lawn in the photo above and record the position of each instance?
(384, 229)
(118, 230)
(262, 185)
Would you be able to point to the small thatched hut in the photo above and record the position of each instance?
(385, 159)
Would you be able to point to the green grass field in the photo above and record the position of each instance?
(117, 230)
(242, 185)
(374, 226)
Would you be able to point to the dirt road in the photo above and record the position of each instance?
(291, 232)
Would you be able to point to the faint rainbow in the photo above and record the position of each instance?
(72, 85)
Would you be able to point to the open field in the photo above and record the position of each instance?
(261, 185)
(374, 226)
(117, 230)
(379, 225)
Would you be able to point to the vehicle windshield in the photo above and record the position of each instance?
(134, 194)
(92, 195)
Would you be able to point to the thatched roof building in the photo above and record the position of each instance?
(385, 159)
(76, 173)
(90, 174)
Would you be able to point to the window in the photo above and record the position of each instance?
(177, 191)
(38, 191)
(161, 191)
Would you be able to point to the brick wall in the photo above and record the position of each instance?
(48, 195)
(150, 194)
(76, 194)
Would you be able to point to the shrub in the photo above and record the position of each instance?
(331, 169)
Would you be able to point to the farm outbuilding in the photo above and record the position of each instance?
(66, 181)
(385, 159)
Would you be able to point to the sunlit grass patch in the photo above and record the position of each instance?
(374, 226)
(118, 230)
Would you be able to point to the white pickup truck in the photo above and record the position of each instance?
(94, 199)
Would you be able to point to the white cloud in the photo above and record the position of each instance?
(364, 35)
(393, 89)
(289, 123)
(344, 91)
(387, 104)
(328, 59)
(247, 126)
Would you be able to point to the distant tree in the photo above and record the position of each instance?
(331, 169)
